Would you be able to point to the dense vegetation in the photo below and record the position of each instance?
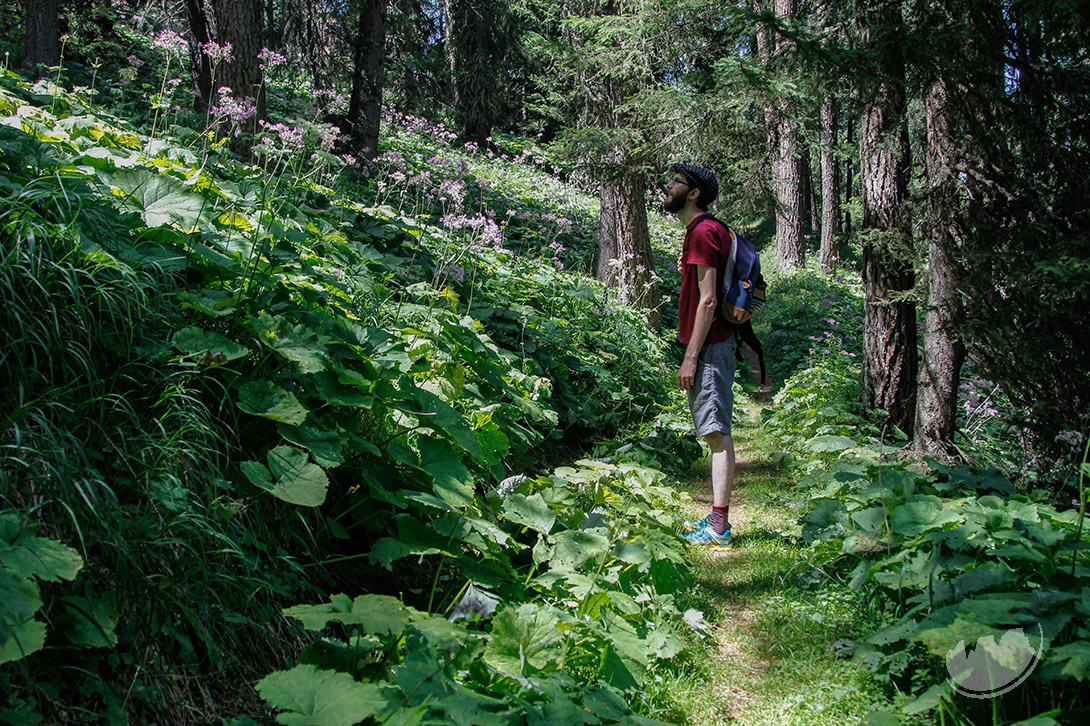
(295, 428)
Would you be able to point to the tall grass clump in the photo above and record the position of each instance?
(109, 448)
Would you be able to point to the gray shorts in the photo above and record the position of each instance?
(711, 398)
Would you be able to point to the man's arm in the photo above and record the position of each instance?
(705, 313)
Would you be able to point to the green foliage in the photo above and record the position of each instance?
(245, 388)
(583, 610)
(950, 558)
(809, 313)
(959, 557)
(24, 559)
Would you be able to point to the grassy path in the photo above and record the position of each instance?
(775, 621)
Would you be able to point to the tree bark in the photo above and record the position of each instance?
(849, 175)
(830, 189)
(43, 45)
(787, 168)
(239, 22)
(889, 327)
(625, 261)
(365, 104)
(943, 350)
(476, 43)
(809, 212)
(200, 67)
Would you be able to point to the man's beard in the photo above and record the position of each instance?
(673, 204)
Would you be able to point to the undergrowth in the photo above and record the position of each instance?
(234, 388)
(975, 583)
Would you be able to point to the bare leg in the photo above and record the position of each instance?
(722, 460)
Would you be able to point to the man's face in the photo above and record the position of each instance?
(677, 189)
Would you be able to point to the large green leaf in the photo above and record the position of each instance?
(324, 446)
(20, 634)
(920, 514)
(530, 511)
(930, 699)
(436, 414)
(426, 678)
(214, 303)
(297, 480)
(40, 557)
(21, 640)
(524, 639)
(575, 546)
(297, 343)
(216, 347)
(312, 697)
(422, 539)
(829, 444)
(265, 398)
(377, 614)
(1075, 657)
(881, 718)
(12, 527)
(451, 480)
(161, 199)
(290, 476)
(634, 552)
(88, 622)
(343, 392)
(386, 550)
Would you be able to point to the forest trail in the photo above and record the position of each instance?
(771, 657)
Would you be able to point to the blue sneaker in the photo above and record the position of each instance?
(706, 536)
(693, 524)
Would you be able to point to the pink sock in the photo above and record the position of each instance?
(718, 519)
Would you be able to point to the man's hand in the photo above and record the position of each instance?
(687, 374)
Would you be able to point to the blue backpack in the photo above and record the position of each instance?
(742, 291)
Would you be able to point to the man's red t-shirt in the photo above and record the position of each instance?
(707, 243)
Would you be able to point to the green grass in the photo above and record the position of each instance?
(776, 621)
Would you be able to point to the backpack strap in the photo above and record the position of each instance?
(732, 256)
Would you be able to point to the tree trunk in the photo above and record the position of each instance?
(476, 44)
(849, 175)
(809, 212)
(830, 189)
(239, 22)
(787, 168)
(889, 326)
(43, 45)
(944, 352)
(365, 105)
(765, 44)
(200, 67)
(625, 261)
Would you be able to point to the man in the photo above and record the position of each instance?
(707, 370)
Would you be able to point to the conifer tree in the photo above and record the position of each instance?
(889, 345)
(365, 103)
(43, 47)
(240, 23)
(787, 166)
(829, 256)
(943, 346)
(480, 42)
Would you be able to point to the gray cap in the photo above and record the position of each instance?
(703, 179)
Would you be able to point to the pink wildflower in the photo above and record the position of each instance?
(170, 42)
(217, 53)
